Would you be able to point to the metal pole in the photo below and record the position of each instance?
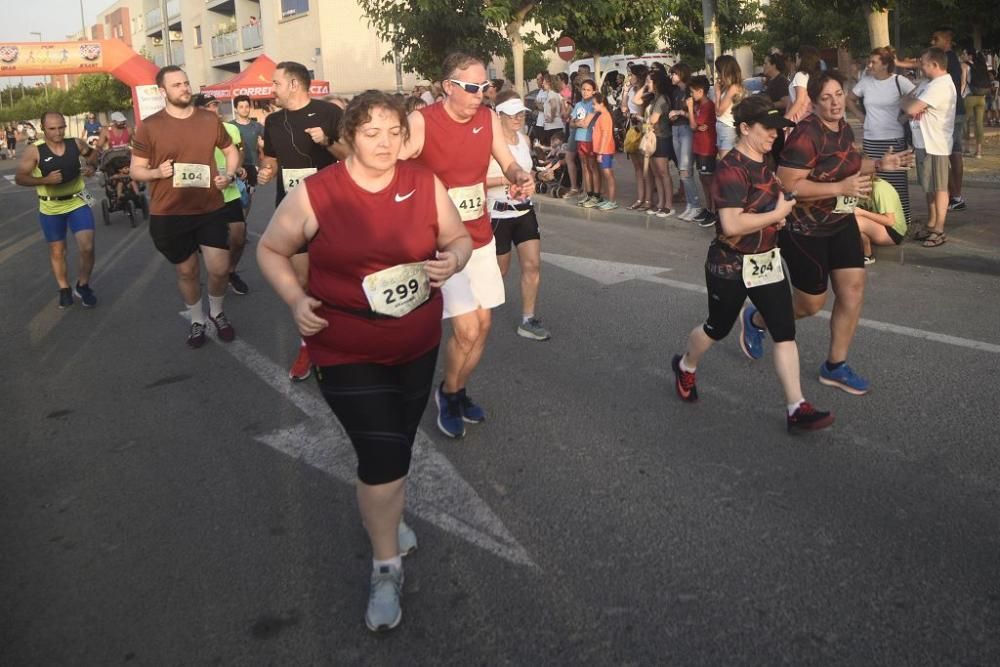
(713, 44)
(44, 83)
(83, 23)
(399, 72)
(167, 55)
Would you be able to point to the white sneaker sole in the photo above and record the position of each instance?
(524, 333)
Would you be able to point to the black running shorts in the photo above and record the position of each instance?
(726, 298)
(810, 259)
(380, 408)
(517, 230)
(177, 237)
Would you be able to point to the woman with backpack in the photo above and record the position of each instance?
(882, 91)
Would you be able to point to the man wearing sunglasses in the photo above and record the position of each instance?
(455, 140)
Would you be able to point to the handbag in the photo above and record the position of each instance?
(647, 145)
(632, 139)
(903, 118)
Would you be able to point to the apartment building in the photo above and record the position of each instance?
(215, 39)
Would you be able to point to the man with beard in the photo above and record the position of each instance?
(174, 152)
(299, 140)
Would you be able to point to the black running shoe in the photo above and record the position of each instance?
(65, 298)
(237, 283)
(808, 418)
(196, 335)
(705, 219)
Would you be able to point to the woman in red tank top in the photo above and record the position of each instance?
(383, 237)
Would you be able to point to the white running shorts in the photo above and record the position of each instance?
(478, 285)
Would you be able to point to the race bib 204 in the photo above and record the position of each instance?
(763, 268)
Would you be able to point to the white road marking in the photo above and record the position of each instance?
(435, 490)
(605, 272)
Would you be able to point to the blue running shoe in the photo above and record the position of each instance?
(471, 412)
(449, 413)
(751, 338)
(844, 378)
(384, 612)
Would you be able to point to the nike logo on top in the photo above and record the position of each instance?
(46, 159)
(310, 115)
(400, 197)
(477, 130)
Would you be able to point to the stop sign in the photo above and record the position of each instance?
(566, 48)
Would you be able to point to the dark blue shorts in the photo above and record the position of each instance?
(78, 220)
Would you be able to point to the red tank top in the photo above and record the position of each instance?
(459, 154)
(119, 138)
(362, 232)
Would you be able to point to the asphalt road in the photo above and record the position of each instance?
(160, 505)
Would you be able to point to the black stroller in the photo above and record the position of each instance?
(111, 164)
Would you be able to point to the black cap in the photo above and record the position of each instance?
(772, 119)
(203, 99)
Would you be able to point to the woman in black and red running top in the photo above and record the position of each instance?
(383, 237)
(822, 244)
(744, 261)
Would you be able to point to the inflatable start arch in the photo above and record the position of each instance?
(110, 56)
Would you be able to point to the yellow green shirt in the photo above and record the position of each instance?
(885, 199)
(231, 193)
(64, 206)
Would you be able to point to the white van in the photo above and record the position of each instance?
(620, 62)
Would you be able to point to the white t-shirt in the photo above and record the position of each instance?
(540, 106)
(553, 107)
(633, 108)
(800, 80)
(881, 99)
(522, 155)
(933, 132)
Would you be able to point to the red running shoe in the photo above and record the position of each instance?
(808, 418)
(684, 382)
(302, 366)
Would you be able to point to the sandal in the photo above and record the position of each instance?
(635, 206)
(923, 234)
(935, 239)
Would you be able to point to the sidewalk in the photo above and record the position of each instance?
(973, 235)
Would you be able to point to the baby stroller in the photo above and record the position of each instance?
(553, 181)
(112, 162)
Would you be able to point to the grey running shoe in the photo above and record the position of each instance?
(590, 202)
(607, 205)
(384, 612)
(407, 539)
(533, 329)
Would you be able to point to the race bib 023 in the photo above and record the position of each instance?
(469, 200)
(188, 175)
(292, 177)
(398, 290)
(762, 269)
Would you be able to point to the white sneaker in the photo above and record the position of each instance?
(685, 214)
(695, 212)
(384, 611)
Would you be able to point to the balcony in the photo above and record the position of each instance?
(227, 7)
(176, 54)
(225, 44)
(252, 38)
(154, 18)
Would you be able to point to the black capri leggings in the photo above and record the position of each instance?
(726, 297)
(380, 408)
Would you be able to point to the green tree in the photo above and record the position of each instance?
(535, 61)
(424, 32)
(683, 29)
(100, 92)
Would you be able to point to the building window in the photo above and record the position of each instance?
(197, 35)
(293, 7)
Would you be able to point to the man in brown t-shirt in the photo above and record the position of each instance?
(186, 196)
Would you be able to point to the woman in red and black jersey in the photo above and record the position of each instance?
(744, 261)
(383, 237)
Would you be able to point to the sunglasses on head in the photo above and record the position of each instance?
(472, 87)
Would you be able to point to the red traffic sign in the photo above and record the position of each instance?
(566, 48)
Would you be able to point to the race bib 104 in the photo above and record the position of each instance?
(845, 204)
(292, 177)
(398, 290)
(469, 200)
(762, 269)
(188, 175)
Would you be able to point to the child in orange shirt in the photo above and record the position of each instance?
(604, 149)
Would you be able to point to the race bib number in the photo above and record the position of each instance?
(469, 201)
(762, 269)
(292, 177)
(398, 290)
(187, 175)
(845, 204)
(87, 198)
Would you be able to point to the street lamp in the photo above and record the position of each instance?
(44, 84)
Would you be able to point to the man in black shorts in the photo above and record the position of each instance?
(299, 140)
(174, 151)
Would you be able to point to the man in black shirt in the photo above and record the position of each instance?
(299, 140)
(777, 83)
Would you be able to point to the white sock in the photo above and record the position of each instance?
(525, 317)
(684, 367)
(792, 407)
(195, 313)
(302, 342)
(215, 305)
(396, 562)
